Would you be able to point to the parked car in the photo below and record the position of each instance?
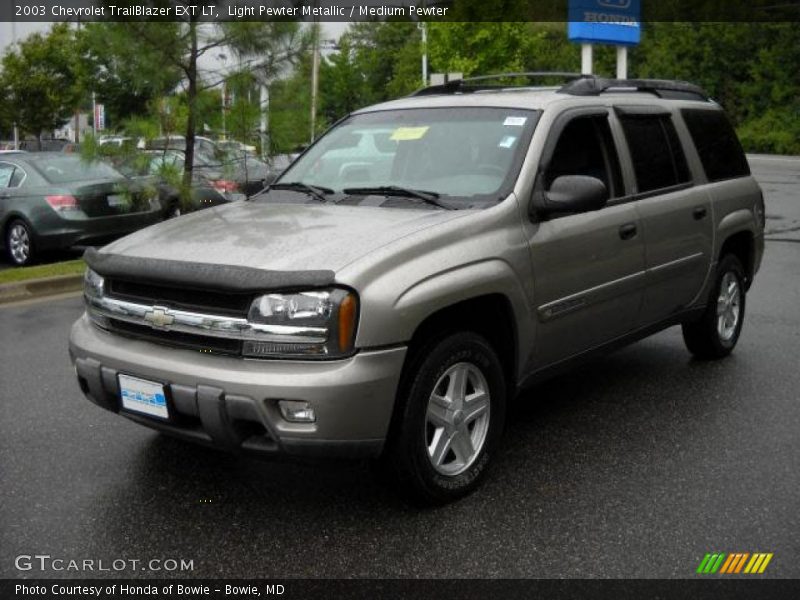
(50, 201)
(235, 149)
(249, 174)
(277, 164)
(45, 145)
(121, 141)
(392, 309)
(163, 169)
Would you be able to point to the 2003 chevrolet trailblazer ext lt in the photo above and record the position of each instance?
(422, 262)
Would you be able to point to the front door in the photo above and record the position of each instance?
(588, 267)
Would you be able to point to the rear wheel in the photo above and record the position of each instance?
(452, 418)
(716, 333)
(19, 243)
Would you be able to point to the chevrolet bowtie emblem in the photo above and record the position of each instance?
(159, 317)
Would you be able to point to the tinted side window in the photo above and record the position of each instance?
(716, 143)
(586, 147)
(656, 152)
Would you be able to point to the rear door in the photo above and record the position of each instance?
(588, 267)
(11, 176)
(677, 224)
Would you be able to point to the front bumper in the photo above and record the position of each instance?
(232, 403)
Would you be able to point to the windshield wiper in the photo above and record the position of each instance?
(396, 190)
(315, 191)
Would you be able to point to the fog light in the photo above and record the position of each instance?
(296, 411)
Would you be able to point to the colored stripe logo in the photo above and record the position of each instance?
(734, 563)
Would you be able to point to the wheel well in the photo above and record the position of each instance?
(742, 246)
(490, 316)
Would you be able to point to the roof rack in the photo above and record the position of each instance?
(467, 86)
(576, 85)
(589, 85)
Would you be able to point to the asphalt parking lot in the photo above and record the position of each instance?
(635, 465)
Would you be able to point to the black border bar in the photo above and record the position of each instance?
(365, 10)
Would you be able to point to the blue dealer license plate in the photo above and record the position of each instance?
(142, 396)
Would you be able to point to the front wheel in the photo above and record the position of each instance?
(453, 409)
(716, 333)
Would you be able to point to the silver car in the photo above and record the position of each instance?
(389, 303)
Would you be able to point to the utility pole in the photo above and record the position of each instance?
(76, 137)
(314, 79)
(264, 103)
(14, 43)
(424, 27)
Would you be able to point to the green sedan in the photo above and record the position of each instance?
(52, 201)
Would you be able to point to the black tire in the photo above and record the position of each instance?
(407, 455)
(19, 243)
(703, 337)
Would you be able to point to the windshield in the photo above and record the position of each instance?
(462, 155)
(69, 169)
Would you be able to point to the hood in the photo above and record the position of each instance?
(278, 237)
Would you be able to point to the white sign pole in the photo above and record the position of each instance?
(586, 59)
(622, 62)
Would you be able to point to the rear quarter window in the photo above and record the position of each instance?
(719, 149)
(656, 152)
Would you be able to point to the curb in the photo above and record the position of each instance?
(37, 288)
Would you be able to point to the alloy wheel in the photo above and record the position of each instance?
(19, 243)
(457, 419)
(728, 306)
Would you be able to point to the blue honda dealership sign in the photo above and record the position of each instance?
(605, 21)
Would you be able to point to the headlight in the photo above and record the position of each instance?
(320, 323)
(93, 290)
(92, 284)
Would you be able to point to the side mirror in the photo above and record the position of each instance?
(572, 194)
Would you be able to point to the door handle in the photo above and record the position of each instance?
(699, 213)
(627, 231)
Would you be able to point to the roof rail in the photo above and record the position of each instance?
(589, 85)
(466, 86)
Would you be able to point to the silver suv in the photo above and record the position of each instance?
(388, 299)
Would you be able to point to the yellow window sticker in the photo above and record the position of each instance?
(404, 134)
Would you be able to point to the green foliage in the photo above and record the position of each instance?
(290, 109)
(750, 68)
(375, 61)
(39, 79)
(125, 78)
(776, 131)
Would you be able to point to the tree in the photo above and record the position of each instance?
(126, 79)
(375, 61)
(40, 81)
(180, 46)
